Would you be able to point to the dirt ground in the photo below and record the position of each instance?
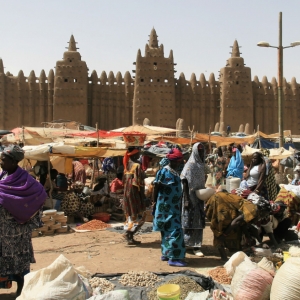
(107, 252)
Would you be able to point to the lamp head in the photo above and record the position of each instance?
(294, 44)
(263, 44)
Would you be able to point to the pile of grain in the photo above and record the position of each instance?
(93, 225)
(219, 275)
(102, 283)
(141, 278)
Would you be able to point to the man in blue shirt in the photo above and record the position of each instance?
(228, 129)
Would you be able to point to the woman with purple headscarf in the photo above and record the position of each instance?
(21, 202)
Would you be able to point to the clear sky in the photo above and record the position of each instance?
(34, 33)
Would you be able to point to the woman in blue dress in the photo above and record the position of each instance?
(167, 216)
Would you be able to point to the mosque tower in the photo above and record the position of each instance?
(236, 92)
(154, 91)
(70, 86)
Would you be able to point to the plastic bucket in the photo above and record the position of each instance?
(286, 255)
(169, 292)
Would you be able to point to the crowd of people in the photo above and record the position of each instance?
(239, 218)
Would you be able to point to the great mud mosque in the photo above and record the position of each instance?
(153, 95)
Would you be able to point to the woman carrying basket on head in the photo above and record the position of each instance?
(134, 194)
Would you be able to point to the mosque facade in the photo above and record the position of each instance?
(153, 95)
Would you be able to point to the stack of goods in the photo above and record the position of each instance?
(54, 222)
(61, 219)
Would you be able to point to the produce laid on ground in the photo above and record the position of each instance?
(186, 285)
(142, 278)
(219, 275)
(54, 222)
(102, 283)
(93, 225)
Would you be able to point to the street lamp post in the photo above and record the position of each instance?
(280, 77)
(280, 80)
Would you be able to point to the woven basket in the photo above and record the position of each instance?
(134, 139)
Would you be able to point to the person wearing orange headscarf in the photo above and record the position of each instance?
(134, 194)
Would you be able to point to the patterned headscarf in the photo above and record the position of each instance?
(78, 185)
(175, 154)
(108, 164)
(164, 162)
(194, 169)
(14, 151)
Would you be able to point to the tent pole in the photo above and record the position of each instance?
(93, 174)
(209, 143)
(97, 134)
(51, 186)
(95, 160)
(23, 137)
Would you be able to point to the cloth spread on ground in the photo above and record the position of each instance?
(21, 195)
(140, 293)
